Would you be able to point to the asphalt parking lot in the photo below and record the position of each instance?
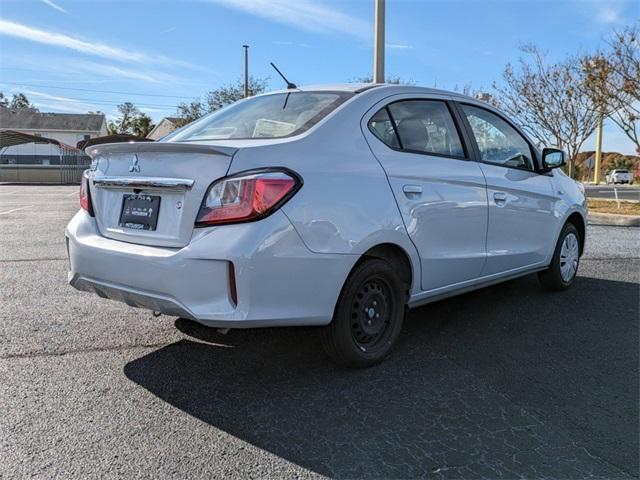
(506, 382)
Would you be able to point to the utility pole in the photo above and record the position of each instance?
(596, 176)
(378, 40)
(246, 70)
(597, 71)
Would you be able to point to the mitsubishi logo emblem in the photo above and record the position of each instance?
(134, 167)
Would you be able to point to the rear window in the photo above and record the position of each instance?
(621, 171)
(269, 116)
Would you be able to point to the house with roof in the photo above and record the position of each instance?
(64, 128)
(164, 127)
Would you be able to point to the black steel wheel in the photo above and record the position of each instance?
(368, 316)
(370, 313)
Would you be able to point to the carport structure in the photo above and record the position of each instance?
(67, 168)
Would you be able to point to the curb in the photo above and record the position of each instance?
(613, 219)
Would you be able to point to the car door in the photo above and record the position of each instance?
(440, 192)
(521, 201)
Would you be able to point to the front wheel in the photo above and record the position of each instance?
(368, 316)
(564, 264)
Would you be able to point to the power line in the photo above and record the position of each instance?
(42, 98)
(102, 102)
(84, 101)
(96, 91)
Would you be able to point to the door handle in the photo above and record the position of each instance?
(416, 189)
(500, 198)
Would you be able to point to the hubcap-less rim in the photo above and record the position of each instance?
(569, 256)
(370, 314)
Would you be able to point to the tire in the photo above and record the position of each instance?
(368, 316)
(566, 258)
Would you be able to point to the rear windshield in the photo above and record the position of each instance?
(269, 116)
(621, 171)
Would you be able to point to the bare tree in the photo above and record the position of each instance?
(392, 79)
(548, 101)
(606, 88)
(625, 46)
(612, 80)
(479, 94)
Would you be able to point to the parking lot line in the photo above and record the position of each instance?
(16, 209)
(35, 194)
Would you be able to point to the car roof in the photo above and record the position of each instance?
(362, 87)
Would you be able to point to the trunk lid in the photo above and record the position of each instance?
(178, 173)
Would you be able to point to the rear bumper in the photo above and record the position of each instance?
(279, 282)
(131, 297)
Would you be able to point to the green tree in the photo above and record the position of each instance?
(622, 163)
(143, 125)
(189, 111)
(112, 128)
(127, 120)
(232, 92)
(131, 121)
(18, 101)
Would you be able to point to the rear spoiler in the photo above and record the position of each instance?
(160, 147)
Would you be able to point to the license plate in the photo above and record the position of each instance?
(140, 212)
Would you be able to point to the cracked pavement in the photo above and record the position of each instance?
(506, 382)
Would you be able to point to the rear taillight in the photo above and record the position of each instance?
(247, 196)
(85, 196)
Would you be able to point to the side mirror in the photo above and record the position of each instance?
(552, 158)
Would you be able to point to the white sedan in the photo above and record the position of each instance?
(619, 176)
(335, 206)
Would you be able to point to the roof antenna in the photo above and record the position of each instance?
(290, 85)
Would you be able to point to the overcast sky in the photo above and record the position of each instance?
(71, 56)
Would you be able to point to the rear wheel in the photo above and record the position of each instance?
(368, 316)
(564, 264)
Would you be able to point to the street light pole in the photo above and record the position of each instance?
(246, 70)
(378, 47)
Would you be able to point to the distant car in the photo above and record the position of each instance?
(336, 206)
(619, 176)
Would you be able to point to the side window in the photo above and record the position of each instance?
(426, 126)
(499, 142)
(380, 125)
